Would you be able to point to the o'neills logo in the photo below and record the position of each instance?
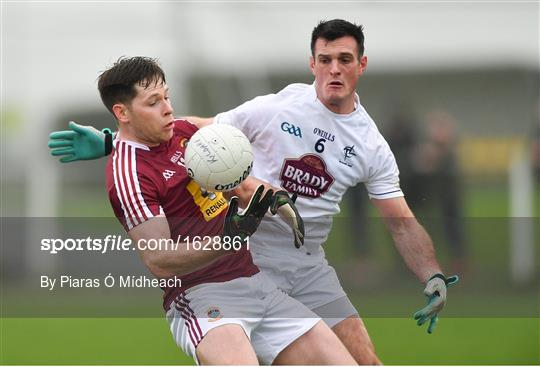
(306, 176)
(232, 185)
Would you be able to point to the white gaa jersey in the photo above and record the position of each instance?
(301, 146)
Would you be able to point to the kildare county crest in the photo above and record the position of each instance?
(348, 153)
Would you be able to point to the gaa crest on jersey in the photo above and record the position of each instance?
(291, 129)
(348, 153)
(306, 176)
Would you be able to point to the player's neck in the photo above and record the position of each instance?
(340, 107)
(124, 134)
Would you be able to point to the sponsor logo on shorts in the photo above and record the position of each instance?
(307, 176)
(213, 313)
(291, 129)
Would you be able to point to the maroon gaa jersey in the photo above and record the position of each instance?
(144, 182)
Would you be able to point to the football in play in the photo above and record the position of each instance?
(218, 157)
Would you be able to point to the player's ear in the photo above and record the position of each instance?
(120, 112)
(312, 64)
(362, 65)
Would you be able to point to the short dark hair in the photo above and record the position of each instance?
(117, 84)
(336, 28)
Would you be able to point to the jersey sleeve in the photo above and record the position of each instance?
(383, 180)
(134, 196)
(250, 116)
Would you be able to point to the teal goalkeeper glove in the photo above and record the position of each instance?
(80, 143)
(436, 292)
(283, 205)
(245, 224)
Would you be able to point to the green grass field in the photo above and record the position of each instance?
(64, 341)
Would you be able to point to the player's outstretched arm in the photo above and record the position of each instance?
(87, 143)
(80, 143)
(410, 238)
(282, 204)
(416, 248)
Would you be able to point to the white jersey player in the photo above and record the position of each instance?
(303, 147)
(317, 141)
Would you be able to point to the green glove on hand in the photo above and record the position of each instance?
(436, 292)
(245, 224)
(283, 205)
(80, 143)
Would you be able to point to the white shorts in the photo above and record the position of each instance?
(308, 279)
(271, 319)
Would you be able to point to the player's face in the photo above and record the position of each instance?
(150, 115)
(336, 68)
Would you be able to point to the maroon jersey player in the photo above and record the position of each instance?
(145, 182)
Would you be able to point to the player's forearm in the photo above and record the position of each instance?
(166, 257)
(182, 258)
(247, 188)
(415, 246)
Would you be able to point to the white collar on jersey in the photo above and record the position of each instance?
(129, 142)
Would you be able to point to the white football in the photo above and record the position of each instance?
(218, 157)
